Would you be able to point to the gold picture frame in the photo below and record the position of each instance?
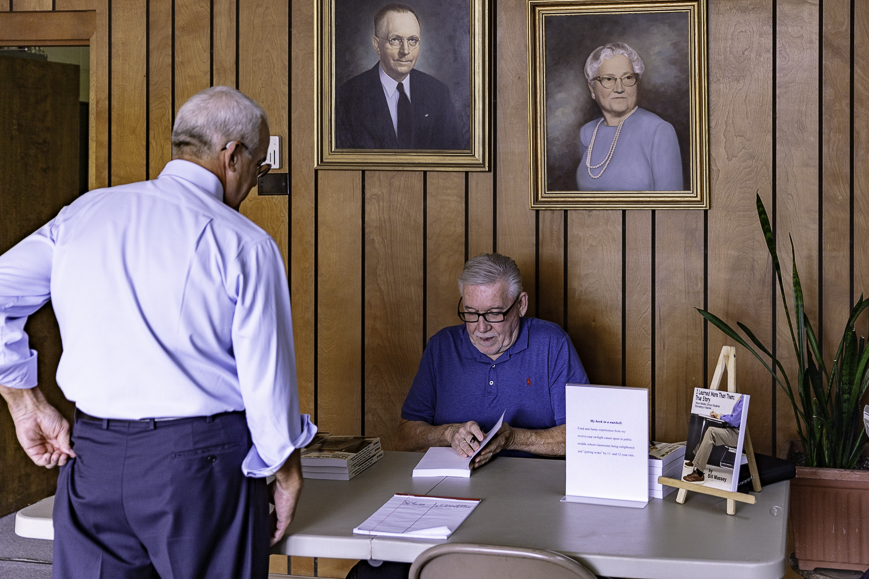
(353, 130)
(566, 110)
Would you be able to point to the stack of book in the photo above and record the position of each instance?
(334, 457)
(665, 459)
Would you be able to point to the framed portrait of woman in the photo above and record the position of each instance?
(402, 85)
(618, 105)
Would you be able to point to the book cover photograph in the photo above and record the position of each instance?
(336, 457)
(716, 432)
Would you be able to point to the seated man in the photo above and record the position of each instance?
(469, 374)
(497, 360)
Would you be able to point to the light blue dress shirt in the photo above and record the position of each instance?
(170, 304)
(646, 158)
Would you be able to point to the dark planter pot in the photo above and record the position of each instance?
(830, 516)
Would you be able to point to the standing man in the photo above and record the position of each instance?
(496, 360)
(392, 105)
(178, 353)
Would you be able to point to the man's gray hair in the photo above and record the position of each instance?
(489, 268)
(381, 14)
(606, 52)
(212, 118)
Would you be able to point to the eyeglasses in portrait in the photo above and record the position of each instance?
(402, 85)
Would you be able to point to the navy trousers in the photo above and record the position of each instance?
(148, 499)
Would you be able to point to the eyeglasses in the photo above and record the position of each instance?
(609, 82)
(491, 317)
(263, 167)
(397, 41)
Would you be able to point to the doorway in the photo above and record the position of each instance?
(40, 118)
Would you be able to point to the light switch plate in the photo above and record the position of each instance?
(273, 157)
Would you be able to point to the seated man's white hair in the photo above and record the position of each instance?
(212, 118)
(489, 268)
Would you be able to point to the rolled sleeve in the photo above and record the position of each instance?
(25, 280)
(262, 338)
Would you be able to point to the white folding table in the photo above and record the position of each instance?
(521, 507)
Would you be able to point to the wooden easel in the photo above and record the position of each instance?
(727, 360)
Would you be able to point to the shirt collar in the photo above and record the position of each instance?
(521, 343)
(196, 174)
(390, 85)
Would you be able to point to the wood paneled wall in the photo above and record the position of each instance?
(373, 256)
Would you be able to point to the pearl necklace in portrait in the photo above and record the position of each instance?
(612, 150)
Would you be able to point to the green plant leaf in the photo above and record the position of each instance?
(770, 246)
(827, 397)
(799, 312)
(863, 352)
(786, 386)
(817, 386)
(847, 375)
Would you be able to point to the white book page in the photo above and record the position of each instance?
(445, 461)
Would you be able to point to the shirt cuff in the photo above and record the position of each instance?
(20, 374)
(255, 467)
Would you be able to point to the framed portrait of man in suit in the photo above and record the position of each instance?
(402, 85)
(618, 105)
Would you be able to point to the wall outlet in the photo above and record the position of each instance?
(273, 157)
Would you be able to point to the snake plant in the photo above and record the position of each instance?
(826, 402)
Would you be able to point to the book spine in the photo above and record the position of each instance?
(356, 469)
(365, 453)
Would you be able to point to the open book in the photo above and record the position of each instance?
(445, 461)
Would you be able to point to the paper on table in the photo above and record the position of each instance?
(445, 461)
(418, 517)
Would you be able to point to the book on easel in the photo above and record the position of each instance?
(696, 480)
(716, 433)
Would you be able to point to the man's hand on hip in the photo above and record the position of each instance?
(41, 430)
(285, 491)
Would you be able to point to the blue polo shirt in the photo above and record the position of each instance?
(457, 383)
